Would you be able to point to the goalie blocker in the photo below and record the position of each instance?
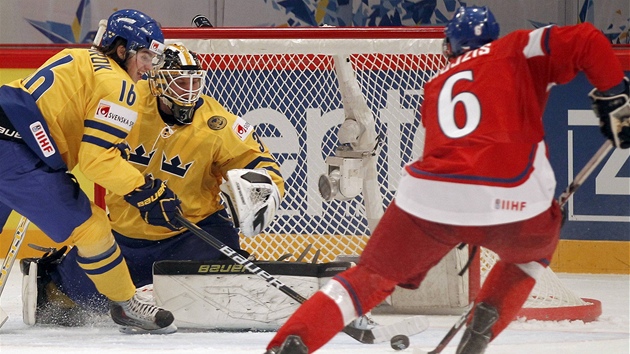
(252, 199)
(225, 295)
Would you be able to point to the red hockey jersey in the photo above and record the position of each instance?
(485, 160)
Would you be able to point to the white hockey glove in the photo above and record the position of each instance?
(252, 199)
(613, 110)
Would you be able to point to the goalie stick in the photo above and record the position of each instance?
(381, 333)
(18, 238)
(579, 179)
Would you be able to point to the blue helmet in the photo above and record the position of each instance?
(139, 30)
(470, 28)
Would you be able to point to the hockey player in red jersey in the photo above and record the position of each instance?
(484, 178)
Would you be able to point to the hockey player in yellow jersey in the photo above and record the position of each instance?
(75, 111)
(193, 142)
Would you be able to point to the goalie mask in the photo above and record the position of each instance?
(179, 82)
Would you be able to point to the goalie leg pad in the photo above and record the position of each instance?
(224, 295)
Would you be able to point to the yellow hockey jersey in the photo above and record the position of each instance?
(193, 159)
(90, 104)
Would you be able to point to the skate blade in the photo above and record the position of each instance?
(137, 330)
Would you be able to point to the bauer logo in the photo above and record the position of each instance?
(43, 141)
(115, 114)
(221, 268)
(242, 128)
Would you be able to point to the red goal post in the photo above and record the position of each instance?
(298, 85)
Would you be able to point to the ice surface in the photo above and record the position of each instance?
(609, 335)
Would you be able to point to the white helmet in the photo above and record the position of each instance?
(179, 82)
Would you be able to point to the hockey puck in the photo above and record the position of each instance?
(399, 342)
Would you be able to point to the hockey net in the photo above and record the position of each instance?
(297, 85)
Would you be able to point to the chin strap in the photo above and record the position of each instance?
(178, 115)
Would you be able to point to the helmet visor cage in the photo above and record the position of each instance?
(147, 57)
(183, 87)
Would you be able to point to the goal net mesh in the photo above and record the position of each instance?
(286, 83)
(290, 90)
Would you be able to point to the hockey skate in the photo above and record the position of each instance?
(42, 301)
(291, 345)
(478, 333)
(139, 317)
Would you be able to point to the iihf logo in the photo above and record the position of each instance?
(102, 110)
(504, 204)
(43, 141)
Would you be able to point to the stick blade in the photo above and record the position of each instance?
(384, 333)
(364, 336)
(409, 326)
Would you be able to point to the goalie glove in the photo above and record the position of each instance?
(613, 111)
(252, 199)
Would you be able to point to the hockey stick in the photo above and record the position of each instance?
(562, 199)
(449, 335)
(379, 334)
(18, 237)
(585, 172)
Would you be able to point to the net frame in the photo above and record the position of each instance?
(269, 49)
(274, 50)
